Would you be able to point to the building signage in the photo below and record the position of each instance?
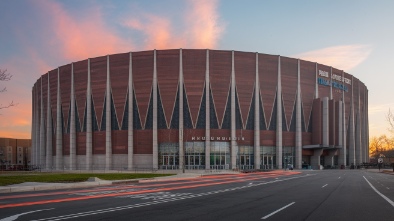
(334, 84)
(335, 77)
(328, 82)
(339, 78)
(219, 138)
(323, 73)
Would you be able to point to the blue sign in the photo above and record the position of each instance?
(334, 84)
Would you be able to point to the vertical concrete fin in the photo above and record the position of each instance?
(180, 94)
(330, 82)
(89, 142)
(108, 141)
(130, 141)
(207, 115)
(257, 117)
(41, 151)
(279, 119)
(154, 138)
(316, 85)
(298, 136)
(234, 147)
(73, 146)
(59, 129)
(49, 129)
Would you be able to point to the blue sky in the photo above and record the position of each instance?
(37, 36)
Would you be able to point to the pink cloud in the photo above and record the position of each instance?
(203, 28)
(158, 31)
(83, 38)
(344, 57)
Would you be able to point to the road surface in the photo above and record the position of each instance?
(278, 195)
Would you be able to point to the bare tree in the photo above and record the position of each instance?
(390, 119)
(5, 76)
(380, 145)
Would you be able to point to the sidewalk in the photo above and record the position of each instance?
(93, 182)
(385, 170)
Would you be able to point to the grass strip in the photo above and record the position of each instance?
(71, 177)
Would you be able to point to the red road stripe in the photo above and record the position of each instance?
(210, 177)
(127, 193)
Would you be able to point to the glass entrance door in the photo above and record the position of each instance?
(267, 162)
(220, 155)
(246, 158)
(168, 156)
(169, 162)
(195, 155)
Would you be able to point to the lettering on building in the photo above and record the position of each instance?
(218, 138)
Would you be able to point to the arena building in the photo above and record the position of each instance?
(198, 109)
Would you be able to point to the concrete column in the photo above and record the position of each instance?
(325, 123)
(316, 85)
(108, 141)
(234, 146)
(38, 128)
(340, 119)
(89, 143)
(341, 157)
(49, 130)
(352, 150)
(130, 140)
(315, 159)
(32, 130)
(155, 154)
(180, 137)
(366, 125)
(358, 142)
(207, 116)
(363, 138)
(59, 129)
(345, 148)
(279, 119)
(298, 136)
(331, 83)
(257, 155)
(41, 148)
(73, 138)
(329, 160)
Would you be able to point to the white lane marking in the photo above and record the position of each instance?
(14, 217)
(113, 209)
(339, 177)
(276, 211)
(380, 194)
(324, 186)
(387, 188)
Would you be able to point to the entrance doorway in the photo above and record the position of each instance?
(245, 157)
(267, 157)
(220, 156)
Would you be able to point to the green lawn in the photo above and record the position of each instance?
(8, 179)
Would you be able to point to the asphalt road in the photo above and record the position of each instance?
(281, 195)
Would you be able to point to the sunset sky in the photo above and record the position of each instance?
(36, 36)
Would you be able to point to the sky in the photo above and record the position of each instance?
(37, 36)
